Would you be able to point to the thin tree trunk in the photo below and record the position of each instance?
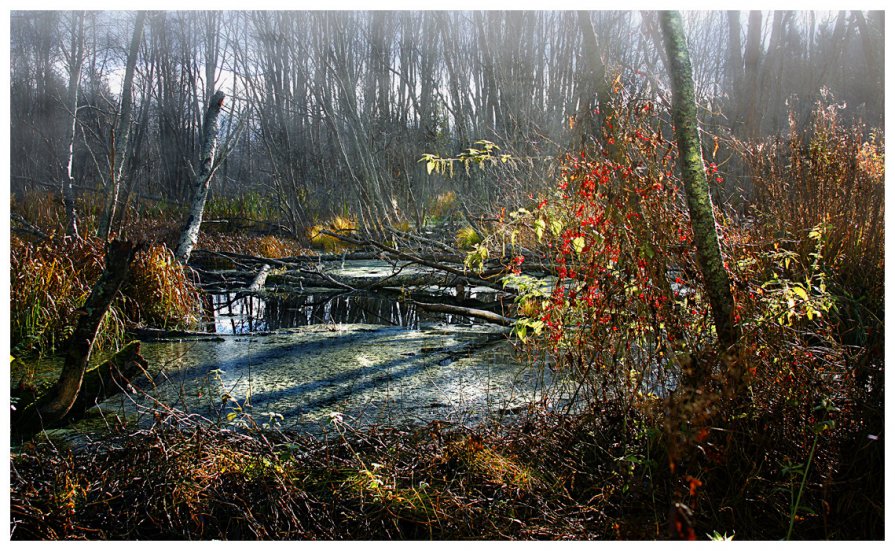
(595, 85)
(749, 113)
(735, 65)
(122, 131)
(76, 59)
(872, 44)
(696, 187)
(207, 167)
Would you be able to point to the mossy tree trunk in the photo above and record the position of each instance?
(699, 201)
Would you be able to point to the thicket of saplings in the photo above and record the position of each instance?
(781, 440)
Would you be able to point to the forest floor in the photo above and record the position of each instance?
(597, 474)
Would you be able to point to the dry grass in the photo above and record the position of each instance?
(434, 482)
(51, 279)
(158, 292)
(444, 206)
(466, 238)
(341, 225)
(267, 246)
(833, 178)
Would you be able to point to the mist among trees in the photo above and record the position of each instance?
(328, 111)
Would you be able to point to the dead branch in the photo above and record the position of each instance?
(485, 315)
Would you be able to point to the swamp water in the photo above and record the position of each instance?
(366, 373)
(364, 359)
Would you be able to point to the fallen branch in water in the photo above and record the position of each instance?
(258, 283)
(485, 315)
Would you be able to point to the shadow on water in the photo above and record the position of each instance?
(368, 356)
(383, 372)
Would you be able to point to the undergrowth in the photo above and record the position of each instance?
(434, 482)
(51, 279)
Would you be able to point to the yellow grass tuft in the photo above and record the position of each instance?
(467, 238)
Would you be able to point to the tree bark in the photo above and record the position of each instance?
(749, 113)
(696, 187)
(76, 59)
(122, 130)
(56, 404)
(207, 167)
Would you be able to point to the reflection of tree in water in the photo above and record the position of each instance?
(247, 314)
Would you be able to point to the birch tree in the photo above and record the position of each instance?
(207, 168)
(75, 61)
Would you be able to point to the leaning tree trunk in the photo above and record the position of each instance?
(207, 167)
(122, 130)
(699, 201)
(56, 404)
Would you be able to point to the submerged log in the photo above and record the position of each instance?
(155, 334)
(55, 405)
(100, 382)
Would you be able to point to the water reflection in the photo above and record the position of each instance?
(235, 314)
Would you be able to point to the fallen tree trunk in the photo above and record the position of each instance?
(318, 279)
(101, 382)
(258, 283)
(109, 378)
(153, 334)
(484, 315)
(55, 405)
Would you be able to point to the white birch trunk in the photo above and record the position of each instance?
(207, 167)
(76, 58)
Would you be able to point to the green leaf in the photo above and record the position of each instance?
(648, 250)
(540, 226)
(556, 227)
